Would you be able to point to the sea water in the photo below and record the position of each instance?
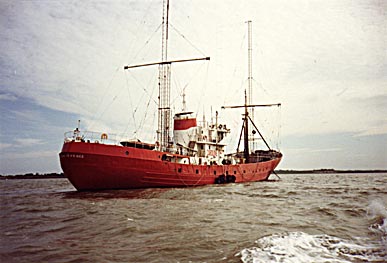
(301, 218)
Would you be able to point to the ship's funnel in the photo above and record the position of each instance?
(183, 121)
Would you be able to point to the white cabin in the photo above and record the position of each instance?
(202, 143)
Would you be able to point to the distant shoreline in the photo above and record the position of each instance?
(32, 176)
(328, 171)
(314, 171)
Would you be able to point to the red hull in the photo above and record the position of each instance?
(91, 166)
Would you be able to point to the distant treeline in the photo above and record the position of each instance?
(33, 176)
(327, 171)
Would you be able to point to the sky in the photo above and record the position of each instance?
(325, 61)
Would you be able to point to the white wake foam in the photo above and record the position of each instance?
(378, 213)
(300, 247)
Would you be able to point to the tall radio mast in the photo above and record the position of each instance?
(164, 110)
(250, 76)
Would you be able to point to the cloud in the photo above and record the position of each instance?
(41, 161)
(77, 58)
(312, 150)
(5, 145)
(8, 97)
(29, 155)
(27, 115)
(25, 142)
(380, 129)
(61, 61)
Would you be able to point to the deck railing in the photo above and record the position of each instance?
(91, 137)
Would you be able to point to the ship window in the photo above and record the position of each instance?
(197, 171)
(166, 158)
(127, 153)
(214, 172)
(179, 170)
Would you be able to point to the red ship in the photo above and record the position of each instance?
(194, 156)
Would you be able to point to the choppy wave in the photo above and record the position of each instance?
(318, 218)
(377, 213)
(301, 247)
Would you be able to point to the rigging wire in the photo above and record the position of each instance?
(204, 87)
(146, 43)
(139, 29)
(268, 116)
(186, 39)
(236, 69)
(134, 111)
(260, 85)
(108, 87)
(137, 128)
(131, 105)
(154, 125)
(102, 100)
(279, 129)
(147, 108)
(142, 86)
(181, 90)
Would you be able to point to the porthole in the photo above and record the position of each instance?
(127, 153)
